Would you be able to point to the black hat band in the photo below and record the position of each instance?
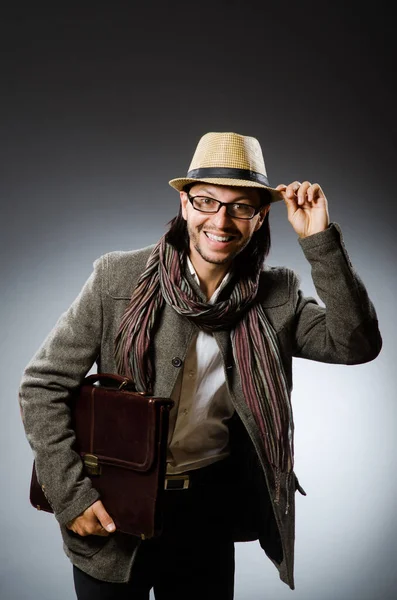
(228, 173)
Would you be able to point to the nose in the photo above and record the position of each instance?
(222, 219)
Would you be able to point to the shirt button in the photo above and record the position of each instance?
(176, 361)
(185, 411)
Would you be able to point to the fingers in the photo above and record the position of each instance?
(300, 193)
(309, 192)
(93, 521)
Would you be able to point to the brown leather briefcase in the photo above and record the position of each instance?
(121, 436)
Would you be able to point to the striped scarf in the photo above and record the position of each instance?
(254, 343)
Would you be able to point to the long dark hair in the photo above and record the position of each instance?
(250, 260)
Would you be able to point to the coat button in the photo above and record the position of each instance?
(176, 361)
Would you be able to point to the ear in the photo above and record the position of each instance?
(261, 216)
(184, 201)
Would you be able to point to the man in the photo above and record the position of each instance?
(199, 319)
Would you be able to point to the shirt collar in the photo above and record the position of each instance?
(220, 286)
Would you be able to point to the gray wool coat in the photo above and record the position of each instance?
(345, 331)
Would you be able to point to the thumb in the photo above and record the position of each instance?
(281, 188)
(103, 516)
(289, 201)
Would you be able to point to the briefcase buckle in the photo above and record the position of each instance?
(91, 464)
(176, 482)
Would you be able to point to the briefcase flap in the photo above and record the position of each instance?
(119, 428)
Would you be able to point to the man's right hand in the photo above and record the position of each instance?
(93, 521)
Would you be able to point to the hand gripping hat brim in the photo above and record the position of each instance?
(228, 159)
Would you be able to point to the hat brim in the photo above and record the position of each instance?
(179, 184)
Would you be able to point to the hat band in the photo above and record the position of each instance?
(226, 173)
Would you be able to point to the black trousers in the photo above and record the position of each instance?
(192, 559)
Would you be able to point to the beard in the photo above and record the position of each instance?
(211, 257)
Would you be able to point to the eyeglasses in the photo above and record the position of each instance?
(234, 209)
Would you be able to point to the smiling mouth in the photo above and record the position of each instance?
(219, 238)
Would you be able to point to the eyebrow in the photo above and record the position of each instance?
(234, 201)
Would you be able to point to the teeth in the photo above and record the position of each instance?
(218, 238)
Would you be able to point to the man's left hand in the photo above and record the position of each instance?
(307, 207)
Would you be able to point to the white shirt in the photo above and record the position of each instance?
(199, 433)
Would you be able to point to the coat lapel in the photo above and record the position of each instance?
(171, 343)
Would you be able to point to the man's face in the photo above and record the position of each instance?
(217, 237)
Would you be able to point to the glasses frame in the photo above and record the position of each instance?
(220, 204)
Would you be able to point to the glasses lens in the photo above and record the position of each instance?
(241, 211)
(205, 204)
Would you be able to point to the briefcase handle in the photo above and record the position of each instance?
(124, 383)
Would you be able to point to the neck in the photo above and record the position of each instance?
(210, 275)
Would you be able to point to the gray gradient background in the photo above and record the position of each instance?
(99, 110)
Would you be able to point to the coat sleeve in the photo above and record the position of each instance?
(345, 330)
(56, 370)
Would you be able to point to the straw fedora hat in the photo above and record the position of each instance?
(228, 159)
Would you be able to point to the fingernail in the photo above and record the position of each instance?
(110, 527)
